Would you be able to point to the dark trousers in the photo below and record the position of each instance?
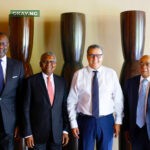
(140, 141)
(49, 145)
(95, 129)
(6, 140)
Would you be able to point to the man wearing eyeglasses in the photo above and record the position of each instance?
(137, 107)
(45, 117)
(95, 103)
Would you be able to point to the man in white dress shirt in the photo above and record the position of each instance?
(86, 127)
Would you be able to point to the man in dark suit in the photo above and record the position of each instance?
(135, 121)
(11, 76)
(45, 113)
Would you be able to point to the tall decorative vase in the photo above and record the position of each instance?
(72, 40)
(21, 41)
(133, 38)
(21, 30)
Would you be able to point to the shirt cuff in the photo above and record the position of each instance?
(27, 136)
(118, 120)
(65, 132)
(74, 124)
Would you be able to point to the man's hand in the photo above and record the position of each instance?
(75, 132)
(116, 130)
(127, 136)
(29, 142)
(65, 139)
(17, 134)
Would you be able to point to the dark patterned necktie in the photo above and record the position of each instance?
(95, 96)
(1, 77)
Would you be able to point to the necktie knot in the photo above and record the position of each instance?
(145, 82)
(95, 73)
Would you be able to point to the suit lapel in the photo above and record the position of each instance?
(137, 84)
(56, 89)
(42, 86)
(9, 73)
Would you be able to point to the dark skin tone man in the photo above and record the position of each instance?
(10, 96)
(48, 65)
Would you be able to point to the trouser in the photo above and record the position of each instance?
(140, 140)
(6, 140)
(95, 129)
(49, 145)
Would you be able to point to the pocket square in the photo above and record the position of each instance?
(15, 77)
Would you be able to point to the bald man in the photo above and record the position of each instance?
(136, 112)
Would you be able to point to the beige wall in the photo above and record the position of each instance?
(102, 26)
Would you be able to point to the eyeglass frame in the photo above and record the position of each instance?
(95, 55)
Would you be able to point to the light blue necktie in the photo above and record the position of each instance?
(140, 118)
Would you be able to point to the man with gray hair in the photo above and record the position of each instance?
(45, 118)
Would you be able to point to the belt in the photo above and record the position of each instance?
(81, 114)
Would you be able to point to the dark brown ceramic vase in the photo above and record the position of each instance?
(72, 40)
(21, 31)
(133, 39)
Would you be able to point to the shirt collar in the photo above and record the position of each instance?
(145, 78)
(45, 75)
(91, 69)
(4, 58)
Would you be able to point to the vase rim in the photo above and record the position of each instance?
(131, 11)
(72, 13)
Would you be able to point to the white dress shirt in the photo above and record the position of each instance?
(45, 76)
(110, 94)
(4, 66)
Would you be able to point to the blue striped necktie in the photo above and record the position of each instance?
(1, 77)
(95, 96)
(141, 107)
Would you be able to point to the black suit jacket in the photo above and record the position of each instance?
(10, 98)
(40, 119)
(131, 92)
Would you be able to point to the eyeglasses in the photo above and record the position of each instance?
(3, 43)
(52, 62)
(95, 55)
(145, 64)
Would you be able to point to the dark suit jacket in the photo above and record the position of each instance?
(10, 96)
(40, 118)
(131, 92)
